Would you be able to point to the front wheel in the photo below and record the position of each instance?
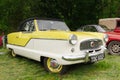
(51, 65)
(114, 47)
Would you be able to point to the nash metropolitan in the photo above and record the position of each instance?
(111, 27)
(52, 42)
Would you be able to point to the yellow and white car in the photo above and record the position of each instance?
(52, 42)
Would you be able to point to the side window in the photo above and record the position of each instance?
(93, 29)
(28, 26)
(90, 28)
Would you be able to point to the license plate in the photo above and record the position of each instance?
(97, 58)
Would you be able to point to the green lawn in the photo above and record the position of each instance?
(21, 68)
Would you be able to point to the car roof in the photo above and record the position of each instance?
(37, 18)
(91, 25)
(98, 27)
(33, 18)
(53, 19)
(110, 23)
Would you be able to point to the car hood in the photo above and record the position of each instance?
(66, 34)
(89, 35)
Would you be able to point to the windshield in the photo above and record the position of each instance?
(44, 25)
(101, 28)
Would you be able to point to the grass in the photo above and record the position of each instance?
(21, 68)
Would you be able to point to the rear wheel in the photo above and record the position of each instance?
(51, 65)
(13, 53)
(114, 48)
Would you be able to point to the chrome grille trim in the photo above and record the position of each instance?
(91, 44)
(92, 51)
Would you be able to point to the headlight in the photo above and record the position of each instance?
(105, 37)
(73, 39)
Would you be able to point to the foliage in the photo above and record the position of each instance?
(74, 12)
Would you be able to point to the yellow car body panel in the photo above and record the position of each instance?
(21, 38)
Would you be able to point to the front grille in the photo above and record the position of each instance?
(90, 44)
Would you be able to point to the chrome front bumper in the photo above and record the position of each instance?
(85, 57)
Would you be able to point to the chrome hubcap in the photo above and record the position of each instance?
(54, 64)
(116, 48)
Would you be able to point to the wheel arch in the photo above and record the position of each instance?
(42, 58)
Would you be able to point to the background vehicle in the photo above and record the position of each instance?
(92, 28)
(1, 38)
(111, 27)
(52, 42)
(113, 43)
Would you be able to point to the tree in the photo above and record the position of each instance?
(74, 12)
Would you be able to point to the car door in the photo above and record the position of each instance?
(25, 33)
